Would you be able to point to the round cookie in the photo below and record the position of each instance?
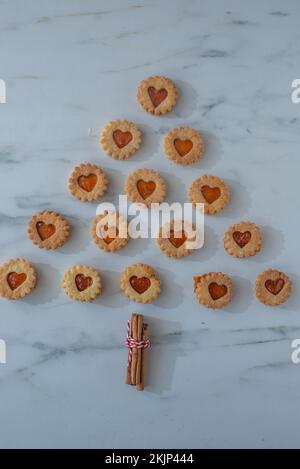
(184, 145)
(273, 287)
(140, 283)
(48, 230)
(17, 279)
(173, 237)
(210, 191)
(213, 290)
(145, 186)
(82, 283)
(120, 139)
(110, 231)
(243, 239)
(87, 182)
(157, 95)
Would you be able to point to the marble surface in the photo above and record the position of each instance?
(216, 378)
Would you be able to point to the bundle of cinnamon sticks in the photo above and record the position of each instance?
(137, 354)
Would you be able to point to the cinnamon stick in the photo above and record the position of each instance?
(128, 368)
(145, 336)
(139, 351)
(134, 334)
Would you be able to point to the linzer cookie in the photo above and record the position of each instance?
(48, 230)
(273, 287)
(17, 279)
(173, 238)
(210, 191)
(243, 239)
(109, 231)
(82, 283)
(213, 290)
(140, 283)
(157, 95)
(145, 186)
(184, 145)
(120, 139)
(87, 182)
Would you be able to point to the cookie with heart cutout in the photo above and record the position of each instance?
(243, 239)
(82, 283)
(17, 279)
(145, 186)
(213, 290)
(110, 231)
(174, 238)
(88, 182)
(140, 283)
(273, 287)
(211, 191)
(48, 230)
(120, 139)
(184, 145)
(157, 95)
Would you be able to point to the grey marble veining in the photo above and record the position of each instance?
(216, 378)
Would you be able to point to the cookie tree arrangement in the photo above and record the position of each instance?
(121, 139)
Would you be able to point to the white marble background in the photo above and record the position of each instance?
(216, 378)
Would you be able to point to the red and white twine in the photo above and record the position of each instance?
(131, 343)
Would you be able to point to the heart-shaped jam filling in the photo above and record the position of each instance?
(140, 284)
(82, 282)
(145, 188)
(177, 239)
(274, 286)
(122, 138)
(88, 183)
(217, 291)
(211, 194)
(109, 234)
(242, 239)
(45, 231)
(183, 147)
(157, 96)
(14, 280)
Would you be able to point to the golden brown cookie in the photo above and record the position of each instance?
(273, 287)
(120, 139)
(87, 182)
(173, 238)
(243, 239)
(157, 95)
(48, 230)
(82, 283)
(145, 186)
(184, 145)
(140, 283)
(17, 279)
(213, 290)
(109, 231)
(210, 191)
